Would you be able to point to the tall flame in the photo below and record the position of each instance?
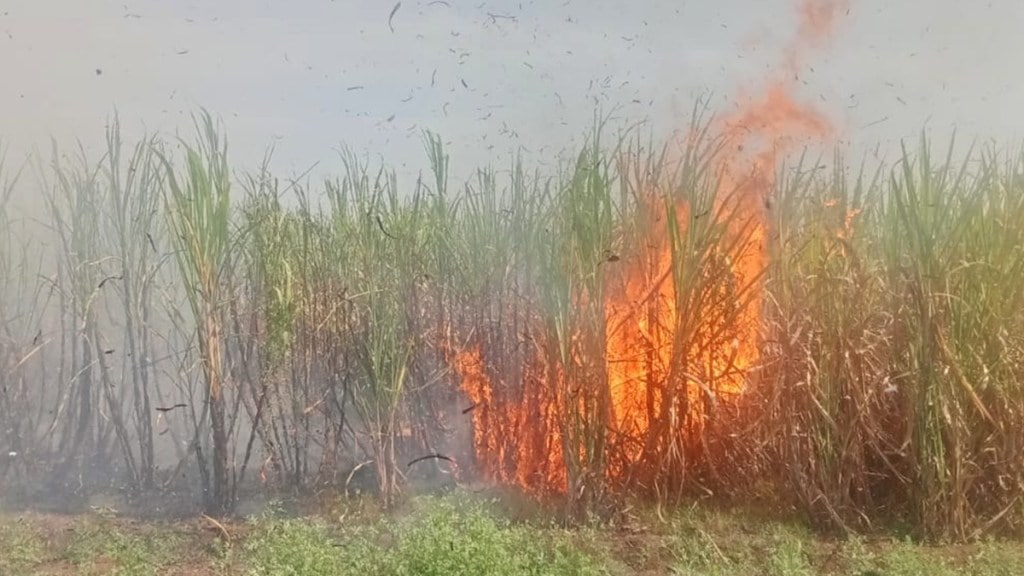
(517, 438)
(514, 437)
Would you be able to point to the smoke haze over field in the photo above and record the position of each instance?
(312, 74)
(654, 322)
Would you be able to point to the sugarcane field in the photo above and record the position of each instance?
(509, 288)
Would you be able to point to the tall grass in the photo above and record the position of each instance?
(328, 320)
(894, 301)
(15, 320)
(579, 242)
(827, 395)
(132, 231)
(199, 218)
(74, 198)
(957, 261)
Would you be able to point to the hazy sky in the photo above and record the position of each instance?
(310, 75)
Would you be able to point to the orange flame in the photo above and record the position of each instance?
(517, 437)
(765, 129)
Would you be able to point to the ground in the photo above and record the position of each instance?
(467, 533)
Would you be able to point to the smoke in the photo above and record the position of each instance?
(771, 120)
(817, 22)
(769, 123)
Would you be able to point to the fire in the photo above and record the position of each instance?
(640, 340)
(702, 348)
(515, 438)
(668, 361)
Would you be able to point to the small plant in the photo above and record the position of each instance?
(788, 556)
(294, 548)
(20, 548)
(101, 548)
(697, 553)
(446, 537)
(904, 559)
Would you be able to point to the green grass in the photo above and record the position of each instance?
(462, 534)
(98, 547)
(20, 547)
(296, 547)
(438, 537)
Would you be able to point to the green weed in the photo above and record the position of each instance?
(99, 548)
(20, 548)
